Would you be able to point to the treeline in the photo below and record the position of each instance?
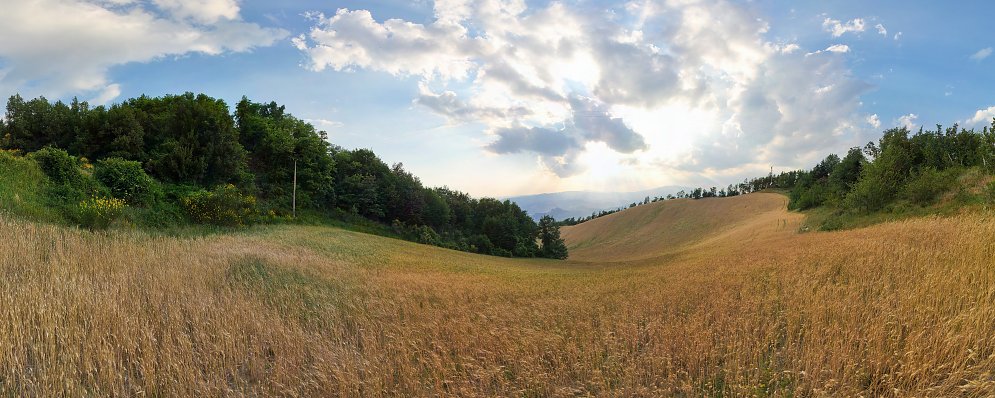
(901, 170)
(191, 158)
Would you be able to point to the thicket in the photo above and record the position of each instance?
(188, 158)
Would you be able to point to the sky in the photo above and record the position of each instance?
(510, 97)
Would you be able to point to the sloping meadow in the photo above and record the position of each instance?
(904, 308)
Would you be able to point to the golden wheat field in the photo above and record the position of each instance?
(738, 303)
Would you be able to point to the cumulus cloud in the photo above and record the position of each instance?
(550, 80)
(203, 11)
(448, 104)
(982, 54)
(558, 148)
(106, 95)
(981, 118)
(790, 48)
(54, 47)
(881, 30)
(908, 121)
(874, 121)
(838, 28)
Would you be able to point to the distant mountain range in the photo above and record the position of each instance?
(562, 205)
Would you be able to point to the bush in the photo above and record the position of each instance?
(97, 213)
(803, 198)
(58, 165)
(871, 193)
(832, 223)
(427, 235)
(925, 187)
(128, 181)
(224, 206)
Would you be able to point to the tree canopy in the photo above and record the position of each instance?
(207, 156)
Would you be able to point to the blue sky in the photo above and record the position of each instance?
(503, 97)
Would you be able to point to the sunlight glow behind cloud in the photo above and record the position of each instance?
(690, 85)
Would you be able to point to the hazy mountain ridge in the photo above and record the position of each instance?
(562, 205)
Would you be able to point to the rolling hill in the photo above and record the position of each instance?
(716, 297)
(659, 228)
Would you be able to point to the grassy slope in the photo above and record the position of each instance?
(743, 306)
(660, 228)
(22, 185)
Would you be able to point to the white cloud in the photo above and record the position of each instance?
(55, 47)
(835, 48)
(561, 81)
(325, 123)
(982, 54)
(874, 121)
(881, 30)
(838, 28)
(106, 95)
(981, 118)
(790, 48)
(908, 121)
(204, 11)
(898, 36)
(839, 48)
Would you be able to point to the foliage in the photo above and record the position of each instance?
(925, 186)
(192, 144)
(224, 206)
(97, 212)
(275, 141)
(127, 180)
(549, 234)
(58, 165)
(22, 188)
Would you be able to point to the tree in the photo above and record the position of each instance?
(275, 140)
(549, 234)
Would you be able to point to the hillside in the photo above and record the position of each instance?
(664, 227)
(738, 304)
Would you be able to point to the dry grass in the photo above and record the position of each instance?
(751, 308)
(659, 228)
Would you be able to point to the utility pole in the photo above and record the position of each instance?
(295, 189)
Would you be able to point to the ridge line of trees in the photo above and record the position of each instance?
(207, 164)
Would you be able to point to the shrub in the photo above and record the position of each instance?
(128, 181)
(427, 235)
(832, 223)
(58, 165)
(923, 188)
(97, 212)
(872, 192)
(224, 206)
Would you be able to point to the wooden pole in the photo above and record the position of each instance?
(295, 189)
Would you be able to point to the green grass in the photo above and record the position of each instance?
(22, 189)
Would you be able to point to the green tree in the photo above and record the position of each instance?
(549, 234)
(275, 140)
